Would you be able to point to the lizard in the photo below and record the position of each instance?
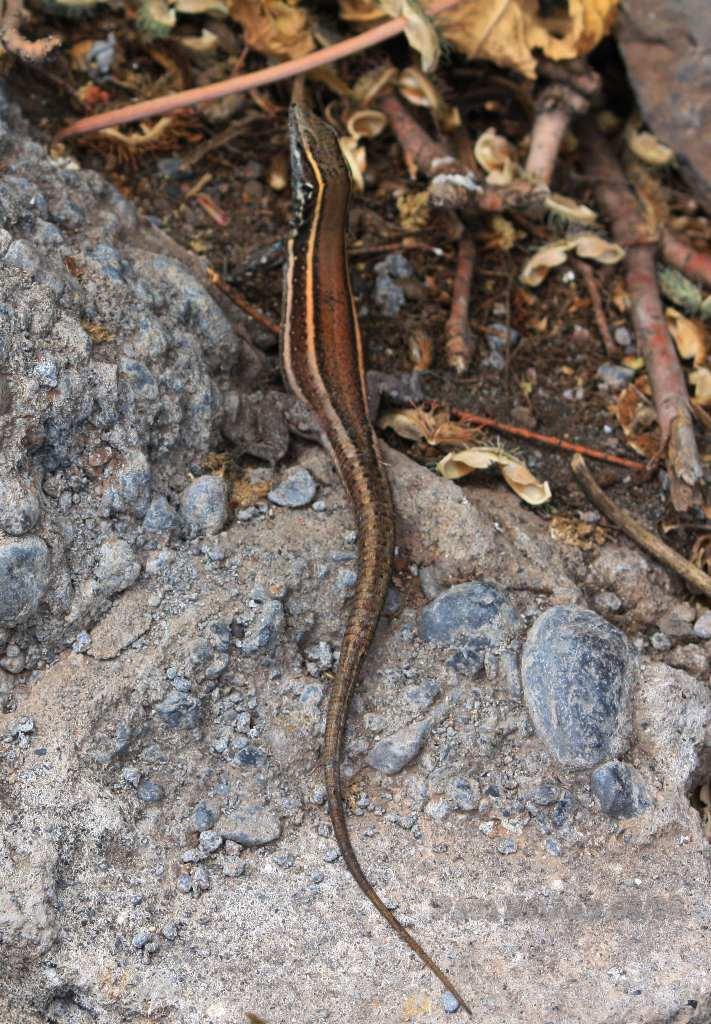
(323, 363)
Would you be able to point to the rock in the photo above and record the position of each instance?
(204, 505)
(252, 825)
(150, 792)
(264, 632)
(19, 507)
(396, 751)
(578, 672)
(619, 790)
(117, 569)
(614, 375)
(472, 618)
(666, 47)
(24, 576)
(678, 621)
(702, 626)
(160, 517)
(295, 491)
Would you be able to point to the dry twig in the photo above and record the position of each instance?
(696, 578)
(588, 275)
(459, 345)
(244, 304)
(671, 398)
(532, 435)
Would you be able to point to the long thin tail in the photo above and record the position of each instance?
(338, 820)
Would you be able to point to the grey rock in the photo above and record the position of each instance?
(19, 507)
(204, 817)
(140, 939)
(425, 695)
(24, 577)
(295, 491)
(666, 47)
(265, 631)
(204, 505)
(614, 375)
(160, 517)
(450, 1004)
(396, 751)
(117, 568)
(619, 790)
(702, 626)
(252, 825)
(150, 792)
(472, 618)
(210, 841)
(179, 710)
(678, 621)
(578, 673)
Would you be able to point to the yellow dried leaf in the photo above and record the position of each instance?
(568, 209)
(495, 154)
(504, 234)
(360, 10)
(412, 424)
(418, 89)
(646, 146)
(536, 269)
(413, 210)
(507, 32)
(203, 44)
(517, 475)
(357, 160)
(436, 428)
(420, 349)
(701, 379)
(419, 30)
(366, 124)
(372, 83)
(278, 28)
(688, 336)
(594, 247)
(214, 7)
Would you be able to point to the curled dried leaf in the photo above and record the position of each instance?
(366, 124)
(436, 428)
(496, 155)
(419, 30)
(507, 32)
(569, 210)
(420, 349)
(689, 337)
(278, 28)
(635, 413)
(701, 379)
(646, 146)
(418, 89)
(372, 83)
(357, 160)
(203, 44)
(594, 247)
(213, 7)
(516, 474)
(537, 267)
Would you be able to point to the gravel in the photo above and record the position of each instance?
(203, 505)
(297, 490)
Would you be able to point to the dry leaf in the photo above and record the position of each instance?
(420, 349)
(517, 475)
(278, 28)
(419, 30)
(366, 124)
(575, 533)
(495, 154)
(701, 379)
(568, 209)
(436, 428)
(413, 210)
(357, 160)
(503, 234)
(536, 268)
(372, 83)
(507, 32)
(688, 336)
(635, 413)
(214, 7)
(646, 146)
(594, 247)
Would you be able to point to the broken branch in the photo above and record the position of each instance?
(648, 541)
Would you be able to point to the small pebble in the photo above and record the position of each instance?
(139, 939)
(660, 641)
(507, 847)
(450, 1004)
(295, 491)
(702, 626)
(399, 749)
(619, 790)
(331, 856)
(204, 505)
(210, 841)
(150, 792)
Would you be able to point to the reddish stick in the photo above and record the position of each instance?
(671, 398)
(459, 345)
(532, 435)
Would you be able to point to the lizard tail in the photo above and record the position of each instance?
(338, 820)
